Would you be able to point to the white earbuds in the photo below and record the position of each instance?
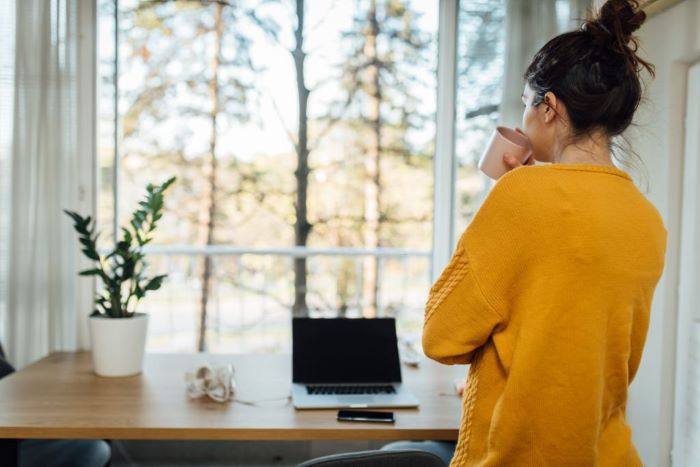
(216, 382)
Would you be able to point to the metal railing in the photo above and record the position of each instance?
(252, 291)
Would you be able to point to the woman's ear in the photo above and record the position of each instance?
(551, 109)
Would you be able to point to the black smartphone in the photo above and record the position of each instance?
(365, 416)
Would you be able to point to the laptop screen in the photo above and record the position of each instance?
(341, 350)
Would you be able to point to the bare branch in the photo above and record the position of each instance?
(483, 110)
(231, 278)
(290, 134)
(324, 18)
(325, 304)
(270, 28)
(332, 120)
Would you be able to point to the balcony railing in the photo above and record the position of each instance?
(252, 291)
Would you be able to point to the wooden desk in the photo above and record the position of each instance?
(60, 397)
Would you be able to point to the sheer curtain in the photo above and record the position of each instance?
(49, 166)
(529, 25)
(7, 48)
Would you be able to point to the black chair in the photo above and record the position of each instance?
(9, 448)
(378, 458)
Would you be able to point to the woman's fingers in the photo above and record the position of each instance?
(511, 161)
(514, 163)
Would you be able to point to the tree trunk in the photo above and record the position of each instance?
(344, 278)
(302, 227)
(208, 211)
(372, 185)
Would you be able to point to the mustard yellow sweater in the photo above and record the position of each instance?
(548, 296)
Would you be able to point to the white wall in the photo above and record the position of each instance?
(670, 40)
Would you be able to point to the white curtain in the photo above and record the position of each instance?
(529, 25)
(7, 53)
(50, 150)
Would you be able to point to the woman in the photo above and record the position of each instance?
(548, 293)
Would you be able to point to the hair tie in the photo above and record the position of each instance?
(587, 28)
(604, 28)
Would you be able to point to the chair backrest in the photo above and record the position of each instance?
(5, 367)
(9, 448)
(378, 458)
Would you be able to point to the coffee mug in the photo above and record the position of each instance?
(503, 140)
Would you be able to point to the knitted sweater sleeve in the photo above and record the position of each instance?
(469, 301)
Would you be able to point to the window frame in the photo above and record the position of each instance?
(444, 161)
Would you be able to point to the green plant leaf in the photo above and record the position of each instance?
(122, 269)
(91, 254)
(155, 283)
(90, 272)
(77, 219)
(136, 225)
(139, 293)
(126, 235)
(86, 241)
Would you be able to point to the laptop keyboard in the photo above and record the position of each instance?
(353, 389)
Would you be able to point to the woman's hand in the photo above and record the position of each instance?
(514, 163)
(460, 384)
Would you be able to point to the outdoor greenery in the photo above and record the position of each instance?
(123, 270)
(291, 123)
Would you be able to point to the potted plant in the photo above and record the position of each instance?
(117, 330)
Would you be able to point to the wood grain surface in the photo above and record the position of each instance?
(60, 397)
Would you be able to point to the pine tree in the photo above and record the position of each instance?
(196, 69)
(385, 47)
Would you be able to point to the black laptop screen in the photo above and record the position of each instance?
(345, 351)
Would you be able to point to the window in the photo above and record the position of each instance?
(480, 52)
(209, 92)
(303, 151)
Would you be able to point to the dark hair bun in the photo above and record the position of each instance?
(621, 17)
(613, 28)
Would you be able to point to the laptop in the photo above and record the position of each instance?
(347, 363)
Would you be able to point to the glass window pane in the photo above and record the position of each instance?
(480, 63)
(106, 122)
(213, 94)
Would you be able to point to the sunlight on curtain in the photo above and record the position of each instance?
(42, 315)
(7, 67)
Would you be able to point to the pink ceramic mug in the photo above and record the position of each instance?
(503, 140)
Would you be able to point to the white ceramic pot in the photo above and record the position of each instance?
(118, 344)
